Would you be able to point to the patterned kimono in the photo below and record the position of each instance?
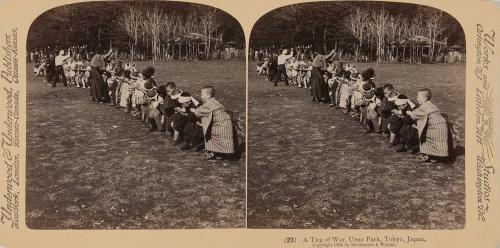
(154, 113)
(371, 116)
(432, 130)
(217, 127)
(344, 94)
(126, 91)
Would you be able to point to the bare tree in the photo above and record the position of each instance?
(393, 34)
(434, 28)
(167, 31)
(131, 21)
(192, 28)
(208, 21)
(380, 23)
(415, 31)
(154, 19)
(357, 24)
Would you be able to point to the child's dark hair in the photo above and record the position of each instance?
(170, 85)
(148, 72)
(209, 89)
(427, 91)
(107, 74)
(162, 90)
(379, 93)
(389, 87)
(347, 74)
(126, 74)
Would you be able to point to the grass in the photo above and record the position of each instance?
(310, 166)
(90, 166)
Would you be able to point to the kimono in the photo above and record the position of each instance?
(180, 120)
(154, 113)
(357, 95)
(217, 127)
(98, 88)
(407, 133)
(386, 107)
(168, 109)
(273, 68)
(432, 130)
(319, 88)
(139, 95)
(125, 93)
(343, 94)
(371, 116)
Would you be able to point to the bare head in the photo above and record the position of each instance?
(207, 92)
(170, 87)
(388, 89)
(424, 95)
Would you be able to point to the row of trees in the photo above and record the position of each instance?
(389, 32)
(159, 30)
(378, 31)
(145, 29)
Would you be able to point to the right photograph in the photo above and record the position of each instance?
(356, 115)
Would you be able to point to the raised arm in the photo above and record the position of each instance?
(108, 54)
(331, 53)
(289, 55)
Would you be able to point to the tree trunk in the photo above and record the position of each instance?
(356, 52)
(99, 36)
(397, 53)
(404, 53)
(324, 39)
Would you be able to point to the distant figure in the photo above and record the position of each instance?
(59, 70)
(319, 89)
(98, 88)
(281, 70)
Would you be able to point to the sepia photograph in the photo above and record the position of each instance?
(356, 117)
(135, 117)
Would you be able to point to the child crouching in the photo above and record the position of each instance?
(432, 129)
(217, 125)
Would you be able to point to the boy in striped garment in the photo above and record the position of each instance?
(217, 126)
(432, 128)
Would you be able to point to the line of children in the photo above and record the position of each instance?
(164, 108)
(407, 127)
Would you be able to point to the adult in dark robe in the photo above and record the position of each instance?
(273, 67)
(51, 67)
(99, 88)
(319, 88)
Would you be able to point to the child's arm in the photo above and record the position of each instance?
(416, 114)
(200, 112)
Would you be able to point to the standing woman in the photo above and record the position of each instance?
(319, 87)
(98, 88)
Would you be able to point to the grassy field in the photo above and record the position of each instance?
(90, 166)
(310, 166)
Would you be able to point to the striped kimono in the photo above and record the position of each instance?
(217, 127)
(432, 130)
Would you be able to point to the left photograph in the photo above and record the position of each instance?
(135, 117)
